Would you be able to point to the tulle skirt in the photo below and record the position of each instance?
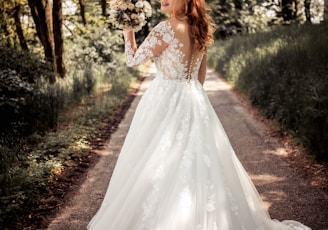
(178, 171)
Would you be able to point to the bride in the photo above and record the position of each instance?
(177, 169)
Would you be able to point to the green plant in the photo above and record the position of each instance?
(284, 72)
(50, 126)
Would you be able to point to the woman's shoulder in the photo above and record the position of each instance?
(162, 25)
(172, 27)
(179, 26)
(164, 29)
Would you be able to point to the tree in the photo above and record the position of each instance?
(103, 8)
(325, 14)
(82, 11)
(293, 10)
(287, 9)
(11, 31)
(4, 25)
(307, 5)
(42, 16)
(57, 15)
(48, 19)
(299, 13)
(19, 30)
(225, 16)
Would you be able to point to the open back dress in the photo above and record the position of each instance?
(177, 169)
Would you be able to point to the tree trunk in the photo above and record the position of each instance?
(59, 64)
(41, 13)
(307, 5)
(4, 27)
(82, 11)
(325, 14)
(36, 20)
(19, 30)
(287, 10)
(299, 13)
(103, 8)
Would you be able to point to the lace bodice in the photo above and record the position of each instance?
(165, 49)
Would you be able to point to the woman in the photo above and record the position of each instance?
(177, 169)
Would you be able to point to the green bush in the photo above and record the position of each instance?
(284, 72)
(21, 185)
(30, 67)
(31, 104)
(22, 103)
(33, 149)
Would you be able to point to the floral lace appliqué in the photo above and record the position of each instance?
(157, 38)
(170, 63)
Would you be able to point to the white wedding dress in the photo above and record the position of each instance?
(177, 169)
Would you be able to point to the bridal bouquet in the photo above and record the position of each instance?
(129, 14)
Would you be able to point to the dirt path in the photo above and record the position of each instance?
(286, 194)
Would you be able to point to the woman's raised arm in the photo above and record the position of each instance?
(152, 46)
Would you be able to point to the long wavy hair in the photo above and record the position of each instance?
(201, 24)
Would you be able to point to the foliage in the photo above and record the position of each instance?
(98, 46)
(30, 67)
(28, 165)
(97, 82)
(284, 72)
(241, 17)
(24, 107)
(7, 24)
(21, 186)
(234, 17)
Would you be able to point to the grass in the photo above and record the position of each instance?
(31, 163)
(285, 73)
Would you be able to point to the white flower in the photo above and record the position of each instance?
(112, 13)
(115, 7)
(147, 9)
(146, 5)
(142, 17)
(124, 14)
(147, 13)
(139, 4)
(137, 28)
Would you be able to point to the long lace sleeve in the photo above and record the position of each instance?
(157, 40)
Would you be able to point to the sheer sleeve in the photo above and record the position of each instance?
(157, 40)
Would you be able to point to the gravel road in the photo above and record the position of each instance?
(285, 193)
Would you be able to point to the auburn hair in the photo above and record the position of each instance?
(201, 24)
